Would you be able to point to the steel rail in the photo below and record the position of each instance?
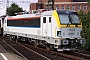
(15, 50)
(38, 54)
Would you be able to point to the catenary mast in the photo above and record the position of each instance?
(50, 4)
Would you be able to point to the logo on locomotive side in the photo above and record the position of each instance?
(38, 32)
(72, 29)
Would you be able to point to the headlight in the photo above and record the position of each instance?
(82, 41)
(65, 42)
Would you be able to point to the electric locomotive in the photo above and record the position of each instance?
(55, 29)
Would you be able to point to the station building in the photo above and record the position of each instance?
(76, 5)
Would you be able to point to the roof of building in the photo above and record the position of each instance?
(79, 0)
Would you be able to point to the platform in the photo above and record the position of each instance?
(4, 55)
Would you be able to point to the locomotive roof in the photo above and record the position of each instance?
(24, 16)
(49, 13)
(65, 11)
(46, 13)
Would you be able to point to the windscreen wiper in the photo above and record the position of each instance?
(69, 22)
(71, 19)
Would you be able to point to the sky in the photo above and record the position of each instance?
(22, 3)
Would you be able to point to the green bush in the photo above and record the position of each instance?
(85, 17)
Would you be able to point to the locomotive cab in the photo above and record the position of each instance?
(62, 29)
(69, 30)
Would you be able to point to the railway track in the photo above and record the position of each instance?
(44, 55)
(27, 54)
(49, 55)
(45, 52)
(72, 54)
(79, 54)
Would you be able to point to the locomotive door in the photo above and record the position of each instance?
(44, 26)
(49, 27)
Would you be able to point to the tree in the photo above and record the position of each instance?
(85, 17)
(13, 9)
(88, 1)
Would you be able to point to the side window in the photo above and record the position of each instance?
(49, 19)
(44, 20)
(58, 33)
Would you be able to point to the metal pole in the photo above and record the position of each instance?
(7, 6)
(50, 4)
